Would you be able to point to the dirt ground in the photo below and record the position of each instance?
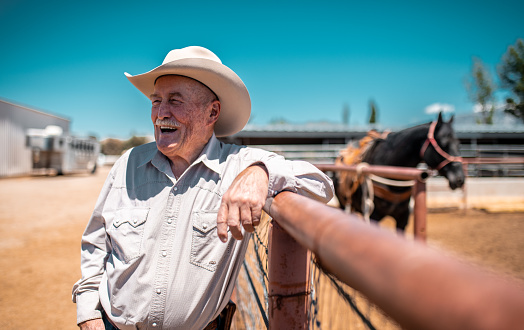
(42, 220)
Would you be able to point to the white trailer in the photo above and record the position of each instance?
(64, 154)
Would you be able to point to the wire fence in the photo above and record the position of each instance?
(333, 305)
(251, 291)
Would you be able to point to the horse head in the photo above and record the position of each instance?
(441, 152)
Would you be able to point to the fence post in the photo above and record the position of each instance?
(419, 194)
(289, 281)
(464, 206)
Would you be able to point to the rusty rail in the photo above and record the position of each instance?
(493, 160)
(415, 285)
(391, 172)
(398, 173)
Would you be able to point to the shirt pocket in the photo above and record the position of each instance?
(206, 248)
(127, 231)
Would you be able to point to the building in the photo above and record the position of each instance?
(15, 122)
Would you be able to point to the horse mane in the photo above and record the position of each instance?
(354, 155)
(396, 136)
(399, 141)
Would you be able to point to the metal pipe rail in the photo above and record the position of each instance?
(398, 173)
(414, 284)
(493, 160)
(392, 172)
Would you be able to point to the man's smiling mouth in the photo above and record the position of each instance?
(166, 129)
(167, 125)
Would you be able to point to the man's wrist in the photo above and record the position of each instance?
(262, 166)
(93, 324)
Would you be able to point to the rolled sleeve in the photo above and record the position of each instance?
(87, 306)
(296, 176)
(281, 176)
(311, 182)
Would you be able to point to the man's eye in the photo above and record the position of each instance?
(155, 102)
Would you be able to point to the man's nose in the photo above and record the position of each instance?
(163, 110)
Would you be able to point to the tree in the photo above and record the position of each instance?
(345, 114)
(278, 121)
(480, 88)
(117, 147)
(112, 147)
(511, 73)
(373, 112)
(134, 141)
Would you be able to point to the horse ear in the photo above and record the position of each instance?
(451, 119)
(439, 120)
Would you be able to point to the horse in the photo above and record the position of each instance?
(434, 143)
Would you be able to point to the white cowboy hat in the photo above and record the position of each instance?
(203, 65)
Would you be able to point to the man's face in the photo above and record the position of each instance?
(183, 115)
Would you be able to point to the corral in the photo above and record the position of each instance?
(42, 219)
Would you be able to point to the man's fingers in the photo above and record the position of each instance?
(233, 222)
(243, 201)
(245, 217)
(222, 222)
(256, 215)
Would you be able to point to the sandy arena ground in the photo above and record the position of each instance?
(42, 220)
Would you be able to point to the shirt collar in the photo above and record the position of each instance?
(210, 156)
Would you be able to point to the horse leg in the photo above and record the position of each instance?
(402, 216)
(339, 191)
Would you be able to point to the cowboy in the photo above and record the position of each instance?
(168, 234)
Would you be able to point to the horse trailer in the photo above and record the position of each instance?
(51, 150)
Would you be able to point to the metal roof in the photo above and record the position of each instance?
(331, 129)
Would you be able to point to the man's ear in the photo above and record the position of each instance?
(214, 111)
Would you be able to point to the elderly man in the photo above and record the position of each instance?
(157, 252)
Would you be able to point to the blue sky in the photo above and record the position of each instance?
(301, 60)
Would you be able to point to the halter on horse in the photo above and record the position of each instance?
(431, 141)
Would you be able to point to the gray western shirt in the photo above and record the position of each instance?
(151, 257)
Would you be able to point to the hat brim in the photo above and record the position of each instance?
(226, 84)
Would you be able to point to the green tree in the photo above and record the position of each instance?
(117, 147)
(112, 147)
(511, 73)
(278, 121)
(134, 141)
(373, 112)
(480, 88)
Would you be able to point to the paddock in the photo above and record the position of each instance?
(42, 219)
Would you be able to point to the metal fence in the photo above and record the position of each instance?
(499, 160)
(416, 286)
(298, 282)
(316, 267)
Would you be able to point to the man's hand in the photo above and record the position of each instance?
(96, 324)
(243, 202)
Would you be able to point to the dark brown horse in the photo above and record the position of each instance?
(434, 143)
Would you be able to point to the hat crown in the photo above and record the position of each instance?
(191, 52)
